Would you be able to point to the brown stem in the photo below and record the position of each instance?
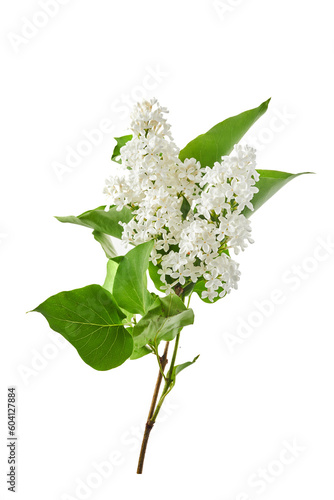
(149, 423)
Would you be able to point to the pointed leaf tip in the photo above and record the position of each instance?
(219, 140)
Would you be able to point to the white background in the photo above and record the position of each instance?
(233, 412)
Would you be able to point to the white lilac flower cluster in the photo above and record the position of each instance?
(155, 183)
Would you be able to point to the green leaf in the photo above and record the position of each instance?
(130, 283)
(178, 368)
(142, 351)
(185, 207)
(105, 243)
(102, 221)
(220, 139)
(169, 336)
(112, 266)
(91, 321)
(121, 141)
(269, 183)
(163, 321)
(155, 276)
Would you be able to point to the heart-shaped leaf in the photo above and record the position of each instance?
(91, 321)
(220, 139)
(106, 222)
(130, 282)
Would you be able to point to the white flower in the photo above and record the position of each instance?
(209, 294)
(153, 182)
